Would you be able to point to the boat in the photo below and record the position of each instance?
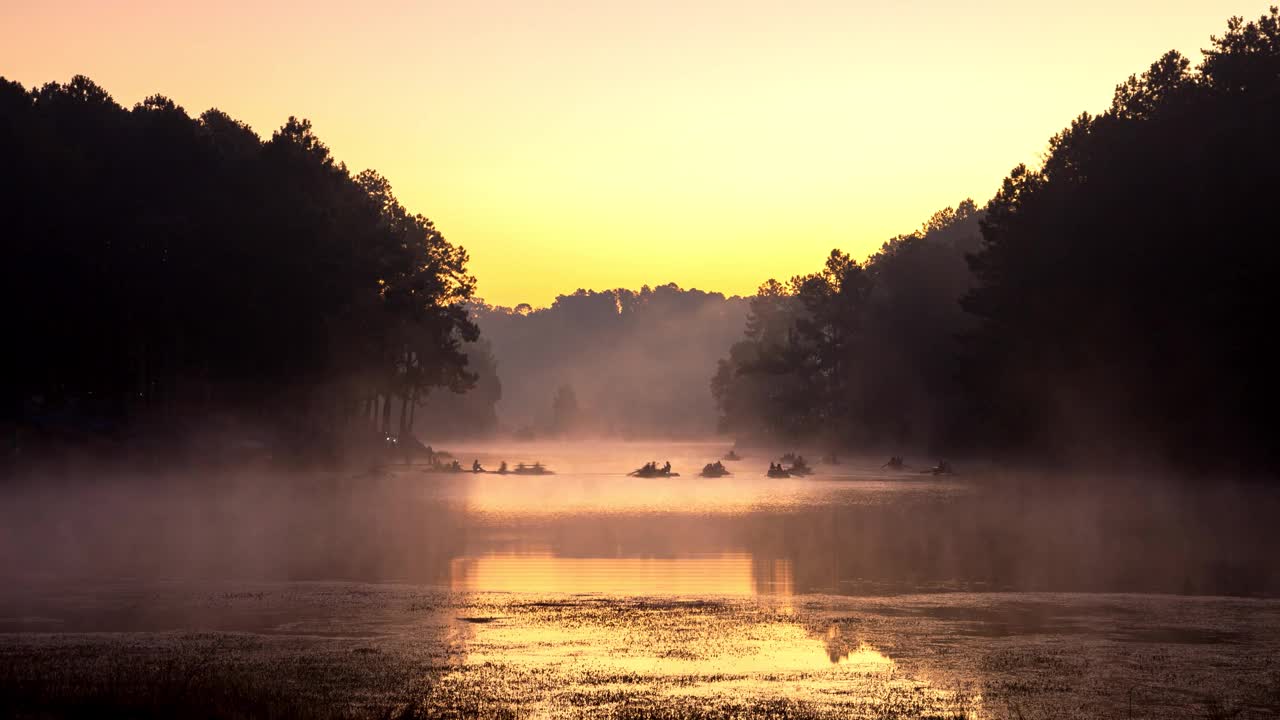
(440, 467)
(534, 469)
(779, 472)
(651, 470)
(714, 470)
(652, 473)
(799, 467)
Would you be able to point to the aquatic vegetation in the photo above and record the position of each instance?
(369, 651)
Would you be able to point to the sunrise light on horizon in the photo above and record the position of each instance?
(595, 145)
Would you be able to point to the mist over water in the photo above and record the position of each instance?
(850, 528)
(831, 594)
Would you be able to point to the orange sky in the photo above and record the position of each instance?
(600, 144)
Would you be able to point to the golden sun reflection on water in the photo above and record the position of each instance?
(588, 593)
(552, 658)
(543, 573)
(570, 494)
(771, 648)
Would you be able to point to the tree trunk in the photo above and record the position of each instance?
(404, 410)
(386, 413)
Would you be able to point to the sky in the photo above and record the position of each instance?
(576, 144)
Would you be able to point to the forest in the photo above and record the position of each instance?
(857, 355)
(170, 279)
(1116, 304)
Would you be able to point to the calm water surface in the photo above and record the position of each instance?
(856, 592)
(592, 529)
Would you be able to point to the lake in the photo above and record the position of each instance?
(855, 592)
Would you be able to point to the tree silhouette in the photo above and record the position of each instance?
(855, 354)
(164, 271)
(564, 407)
(1127, 287)
(1120, 305)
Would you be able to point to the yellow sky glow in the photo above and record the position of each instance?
(602, 144)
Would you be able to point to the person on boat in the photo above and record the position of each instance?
(475, 466)
(502, 468)
(519, 467)
(537, 467)
(942, 468)
(666, 469)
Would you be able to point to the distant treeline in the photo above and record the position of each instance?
(619, 362)
(162, 270)
(1119, 302)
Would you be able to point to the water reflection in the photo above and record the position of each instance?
(723, 574)
(694, 647)
(631, 657)
(853, 529)
(726, 574)
(497, 498)
(607, 591)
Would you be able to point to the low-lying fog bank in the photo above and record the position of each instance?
(850, 528)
